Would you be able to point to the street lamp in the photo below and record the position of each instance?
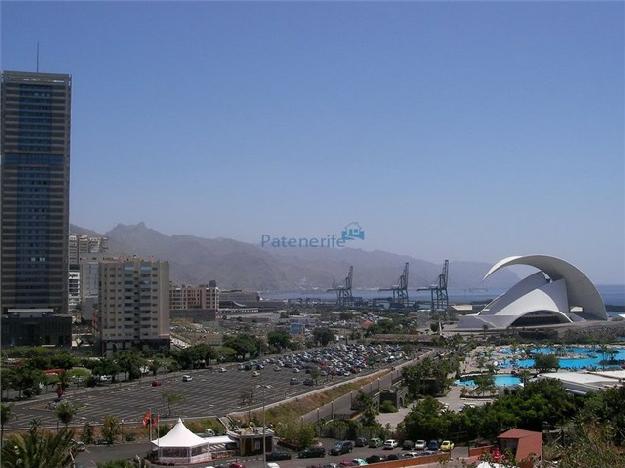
(263, 388)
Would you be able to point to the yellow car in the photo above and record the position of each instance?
(447, 446)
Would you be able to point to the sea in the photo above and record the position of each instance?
(613, 295)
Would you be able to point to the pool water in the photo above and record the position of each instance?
(588, 358)
(501, 380)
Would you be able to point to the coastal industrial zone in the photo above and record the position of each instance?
(112, 364)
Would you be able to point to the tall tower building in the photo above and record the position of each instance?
(34, 204)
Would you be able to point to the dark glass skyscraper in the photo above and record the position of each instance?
(34, 206)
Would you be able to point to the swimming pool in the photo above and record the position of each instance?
(501, 380)
(588, 357)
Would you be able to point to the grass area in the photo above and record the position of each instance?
(308, 402)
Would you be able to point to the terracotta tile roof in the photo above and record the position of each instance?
(529, 442)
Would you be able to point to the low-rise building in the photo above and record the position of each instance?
(185, 297)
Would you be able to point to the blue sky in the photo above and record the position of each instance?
(448, 130)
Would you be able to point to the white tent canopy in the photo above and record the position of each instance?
(180, 436)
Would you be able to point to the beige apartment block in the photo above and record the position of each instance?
(133, 309)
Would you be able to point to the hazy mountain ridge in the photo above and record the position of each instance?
(236, 264)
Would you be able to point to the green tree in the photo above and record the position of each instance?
(387, 406)
(65, 412)
(484, 383)
(525, 376)
(87, 434)
(315, 373)
(111, 429)
(171, 398)
(131, 363)
(280, 340)
(39, 449)
(546, 362)
(244, 344)
(155, 365)
(105, 366)
(323, 336)
(5, 416)
(367, 406)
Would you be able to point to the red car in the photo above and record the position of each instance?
(156, 383)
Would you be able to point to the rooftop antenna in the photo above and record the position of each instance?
(37, 56)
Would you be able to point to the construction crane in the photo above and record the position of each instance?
(344, 292)
(400, 290)
(439, 299)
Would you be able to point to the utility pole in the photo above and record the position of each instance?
(263, 388)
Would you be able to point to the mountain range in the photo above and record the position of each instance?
(236, 264)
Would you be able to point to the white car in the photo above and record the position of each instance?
(390, 444)
(295, 370)
(187, 378)
(255, 373)
(420, 444)
(222, 369)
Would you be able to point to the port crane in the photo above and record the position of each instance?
(343, 292)
(439, 299)
(400, 290)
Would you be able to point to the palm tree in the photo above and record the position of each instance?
(525, 376)
(39, 449)
(66, 412)
(5, 416)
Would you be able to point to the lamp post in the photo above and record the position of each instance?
(263, 388)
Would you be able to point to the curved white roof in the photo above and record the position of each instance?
(580, 290)
(180, 436)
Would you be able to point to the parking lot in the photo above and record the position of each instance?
(93, 455)
(209, 393)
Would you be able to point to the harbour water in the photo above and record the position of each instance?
(613, 295)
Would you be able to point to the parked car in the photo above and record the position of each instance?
(236, 465)
(341, 447)
(411, 454)
(420, 444)
(361, 442)
(392, 456)
(390, 444)
(273, 465)
(255, 373)
(277, 368)
(346, 463)
(222, 369)
(374, 442)
(407, 445)
(433, 445)
(156, 383)
(312, 452)
(294, 381)
(309, 382)
(447, 446)
(359, 462)
(187, 378)
(277, 456)
(375, 459)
